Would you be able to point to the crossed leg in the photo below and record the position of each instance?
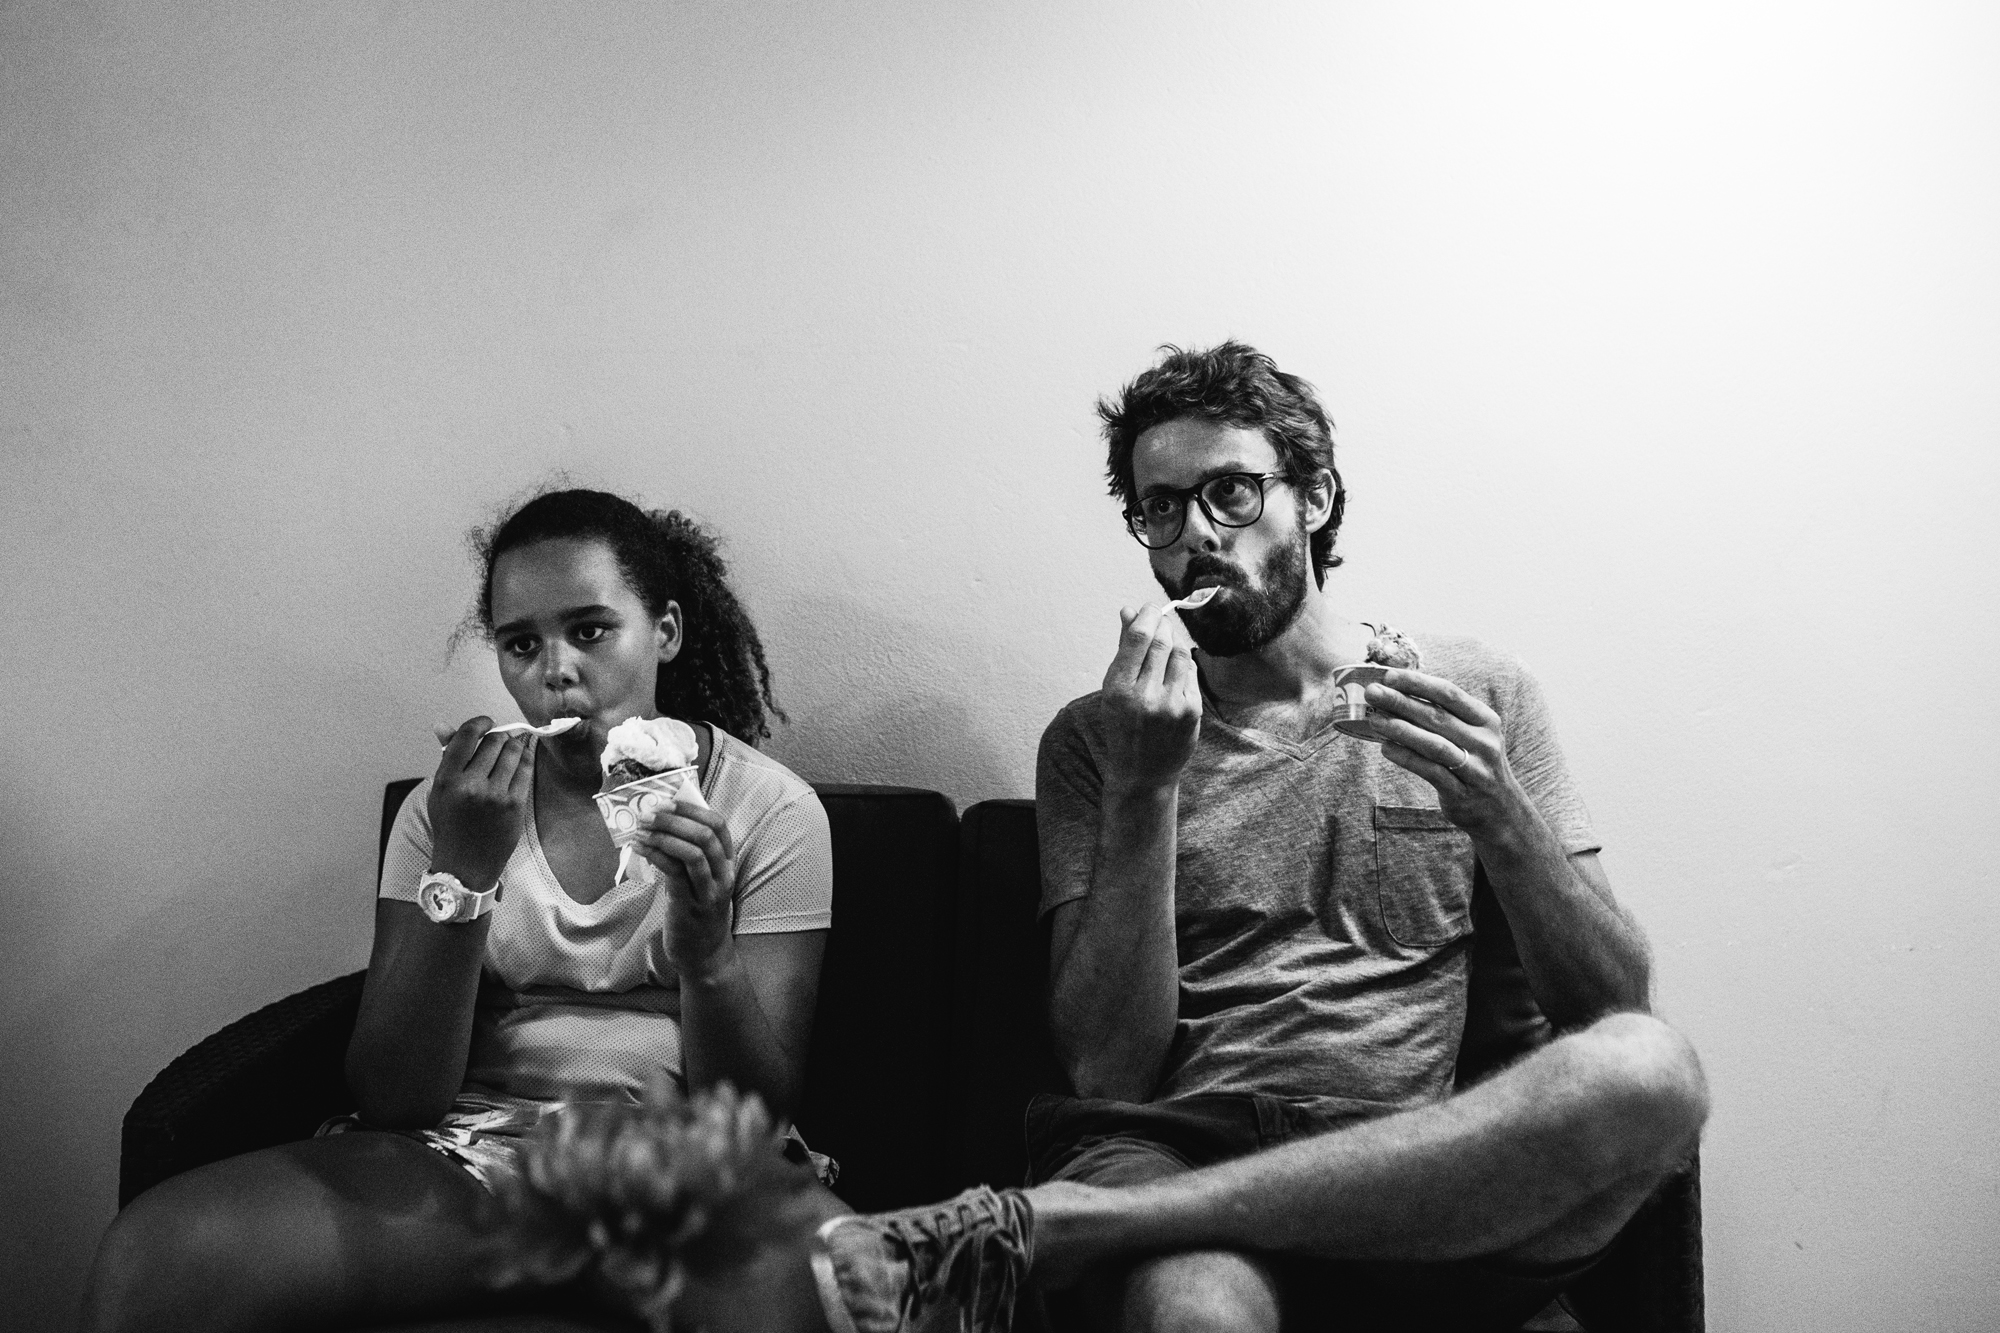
(1540, 1165)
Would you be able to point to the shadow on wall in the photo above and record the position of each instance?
(114, 997)
(877, 696)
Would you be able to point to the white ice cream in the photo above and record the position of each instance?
(656, 743)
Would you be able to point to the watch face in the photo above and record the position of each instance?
(439, 901)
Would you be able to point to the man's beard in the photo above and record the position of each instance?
(1244, 620)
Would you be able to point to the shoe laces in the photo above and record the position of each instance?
(970, 1252)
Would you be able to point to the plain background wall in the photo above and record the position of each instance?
(1661, 339)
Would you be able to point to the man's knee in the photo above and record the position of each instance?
(1649, 1092)
(1211, 1291)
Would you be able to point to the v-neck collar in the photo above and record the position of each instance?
(1301, 750)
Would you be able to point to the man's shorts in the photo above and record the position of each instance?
(1099, 1142)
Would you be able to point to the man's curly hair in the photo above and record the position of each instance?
(645, 1195)
(1231, 384)
(720, 675)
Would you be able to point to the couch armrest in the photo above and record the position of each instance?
(270, 1077)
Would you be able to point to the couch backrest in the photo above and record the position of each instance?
(932, 1029)
(878, 1074)
(1000, 1036)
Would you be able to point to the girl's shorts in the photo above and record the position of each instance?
(485, 1134)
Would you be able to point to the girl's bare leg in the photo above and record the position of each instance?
(329, 1233)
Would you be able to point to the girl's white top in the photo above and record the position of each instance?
(579, 995)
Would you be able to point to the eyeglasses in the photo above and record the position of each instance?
(1232, 500)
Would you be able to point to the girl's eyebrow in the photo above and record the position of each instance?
(568, 616)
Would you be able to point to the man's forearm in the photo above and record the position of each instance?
(1115, 976)
(1584, 957)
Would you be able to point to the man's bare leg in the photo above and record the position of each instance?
(1202, 1289)
(1542, 1163)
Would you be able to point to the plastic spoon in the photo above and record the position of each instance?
(1197, 599)
(555, 728)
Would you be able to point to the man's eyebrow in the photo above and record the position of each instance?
(568, 616)
(1220, 470)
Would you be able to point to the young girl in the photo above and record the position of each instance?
(550, 977)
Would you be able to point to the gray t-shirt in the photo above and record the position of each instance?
(1322, 901)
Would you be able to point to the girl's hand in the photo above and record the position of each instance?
(690, 844)
(483, 782)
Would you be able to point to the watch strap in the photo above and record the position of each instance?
(446, 901)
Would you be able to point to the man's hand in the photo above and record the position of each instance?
(1152, 702)
(690, 844)
(1451, 740)
(1583, 955)
(482, 784)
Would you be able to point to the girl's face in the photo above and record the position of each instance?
(573, 637)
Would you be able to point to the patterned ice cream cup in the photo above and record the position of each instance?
(625, 808)
(1350, 714)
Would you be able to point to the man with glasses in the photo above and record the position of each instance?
(1260, 925)
(1259, 935)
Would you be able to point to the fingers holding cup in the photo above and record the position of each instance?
(696, 839)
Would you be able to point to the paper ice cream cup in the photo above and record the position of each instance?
(1350, 713)
(625, 808)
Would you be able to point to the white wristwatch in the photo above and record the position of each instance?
(447, 901)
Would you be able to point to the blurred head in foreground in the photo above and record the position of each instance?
(682, 1207)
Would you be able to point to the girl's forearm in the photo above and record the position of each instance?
(726, 1034)
(407, 1057)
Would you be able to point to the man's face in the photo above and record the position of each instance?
(1262, 569)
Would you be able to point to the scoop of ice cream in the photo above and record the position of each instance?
(1392, 648)
(642, 745)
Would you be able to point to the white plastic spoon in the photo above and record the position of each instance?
(555, 728)
(1197, 599)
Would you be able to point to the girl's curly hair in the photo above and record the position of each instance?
(644, 1195)
(720, 675)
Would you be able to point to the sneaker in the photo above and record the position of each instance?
(953, 1267)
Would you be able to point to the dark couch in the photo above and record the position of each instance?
(930, 1040)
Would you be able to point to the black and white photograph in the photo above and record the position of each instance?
(1292, 666)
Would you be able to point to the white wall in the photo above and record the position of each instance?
(1661, 338)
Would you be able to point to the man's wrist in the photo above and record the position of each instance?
(1141, 796)
(1520, 833)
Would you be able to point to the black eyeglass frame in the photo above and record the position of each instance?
(1135, 518)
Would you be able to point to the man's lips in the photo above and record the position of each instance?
(1210, 579)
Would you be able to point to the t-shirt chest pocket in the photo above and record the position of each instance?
(1423, 875)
